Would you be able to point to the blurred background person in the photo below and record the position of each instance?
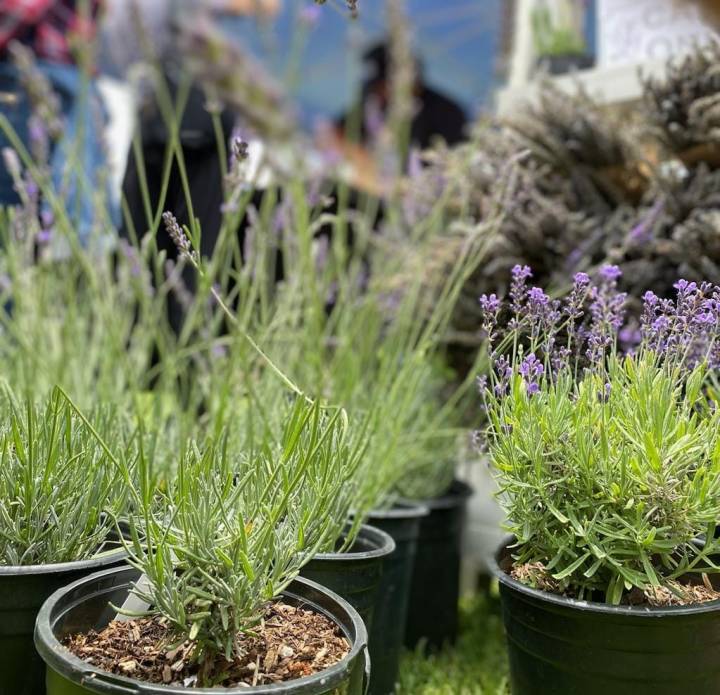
(157, 32)
(61, 113)
(435, 114)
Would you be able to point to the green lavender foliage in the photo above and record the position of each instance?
(233, 530)
(60, 490)
(607, 485)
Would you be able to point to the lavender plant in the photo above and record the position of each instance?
(605, 445)
(234, 529)
(60, 490)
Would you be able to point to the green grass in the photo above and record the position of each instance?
(476, 665)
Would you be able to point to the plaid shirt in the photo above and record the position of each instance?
(45, 26)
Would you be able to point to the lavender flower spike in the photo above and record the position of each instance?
(531, 369)
(610, 273)
(177, 234)
(581, 280)
(490, 304)
(518, 289)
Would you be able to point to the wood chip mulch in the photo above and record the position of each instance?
(677, 594)
(535, 575)
(289, 643)
(674, 593)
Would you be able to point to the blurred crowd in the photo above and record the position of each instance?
(53, 53)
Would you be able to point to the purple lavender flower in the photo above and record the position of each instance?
(44, 236)
(684, 287)
(607, 310)
(503, 372)
(521, 272)
(604, 395)
(518, 286)
(531, 369)
(641, 233)
(490, 304)
(581, 281)
(538, 298)
(629, 337)
(610, 273)
(320, 251)
(573, 306)
(560, 359)
(650, 298)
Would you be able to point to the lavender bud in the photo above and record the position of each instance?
(177, 234)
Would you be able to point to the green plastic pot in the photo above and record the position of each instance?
(84, 605)
(23, 590)
(559, 645)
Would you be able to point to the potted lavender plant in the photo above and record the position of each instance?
(215, 602)
(58, 496)
(608, 464)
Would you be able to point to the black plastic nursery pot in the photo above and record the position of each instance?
(23, 590)
(355, 574)
(435, 588)
(84, 605)
(560, 646)
(402, 522)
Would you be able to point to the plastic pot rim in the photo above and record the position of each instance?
(384, 541)
(99, 681)
(591, 606)
(61, 567)
(402, 509)
(456, 495)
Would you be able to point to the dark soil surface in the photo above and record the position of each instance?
(289, 643)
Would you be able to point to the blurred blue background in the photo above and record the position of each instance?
(459, 42)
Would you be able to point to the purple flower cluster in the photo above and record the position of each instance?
(518, 286)
(531, 369)
(686, 330)
(578, 332)
(503, 372)
(607, 310)
(490, 306)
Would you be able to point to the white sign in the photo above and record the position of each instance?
(637, 31)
